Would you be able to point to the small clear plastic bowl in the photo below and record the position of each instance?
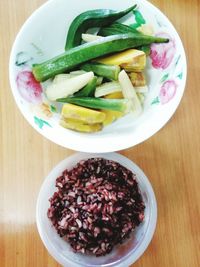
(123, 255)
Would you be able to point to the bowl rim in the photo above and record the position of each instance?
(124, 161)
(115, 145)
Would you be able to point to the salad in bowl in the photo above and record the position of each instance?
(103, 78)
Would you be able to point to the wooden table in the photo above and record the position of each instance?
(171, 158)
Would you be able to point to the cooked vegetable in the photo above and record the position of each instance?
(61, 77)
(141, 97)
(91, 19)
(90, 37)
(78, 55)
(121, 105)
(91, 102)
(99, 80)
(137, 64)
(132, 60)
(109, 72)
(80, 126)
(129, 92)
(70, 111)
(116, 95)
(111, 116)
(68, 86)
(117, 28)
(89, 89)
(142, 89)
(107, 88)
(77, 72)
(137, 79)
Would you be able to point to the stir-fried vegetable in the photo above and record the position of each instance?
(111, 116)
(109, 72)
(116, 95)
(129, 93)
(130, 60)
(80, 54)
(137, 79)
(121, 105)
(61, 77)
(80, 126)
(101, 80)
(107, 88)
(117, 28)
(90, 19)
(86, 37)
(142, 89)
(89, 89)
(70, 111)
(92, 37)
(69, 86)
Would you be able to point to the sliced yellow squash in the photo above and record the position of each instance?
(130, 60)
(80, 126)
(87, 115)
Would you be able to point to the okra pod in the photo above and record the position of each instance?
(117, 28)
(121, 105)
(90, 19)
(80, 54)
(88, 90)
(107, 71)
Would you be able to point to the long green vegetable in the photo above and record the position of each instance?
(90, 19)
(88, 90)
(119, 28)
(107, 71)
(80, 54)
(121, 105)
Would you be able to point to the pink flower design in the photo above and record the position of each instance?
(28, 87)
(162, 54)
(167, 91)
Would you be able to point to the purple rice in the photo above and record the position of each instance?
(97, 206)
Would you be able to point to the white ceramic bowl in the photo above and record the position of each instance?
(43, 37)
(123, 255)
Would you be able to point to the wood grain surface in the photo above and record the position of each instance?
(171, 158)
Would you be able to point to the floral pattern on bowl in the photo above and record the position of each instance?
(28, 87)
(166, 74)
(163, 54)
(31, 90)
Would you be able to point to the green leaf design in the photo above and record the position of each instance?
(53, 109)
(180, 75)
(38, 49)
(177, 61)
(155, 101)
(40, 123)
(22, 58)
(164, 78)
(138, 17)
(159, 23)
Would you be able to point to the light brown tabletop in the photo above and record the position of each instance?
(171, 158)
